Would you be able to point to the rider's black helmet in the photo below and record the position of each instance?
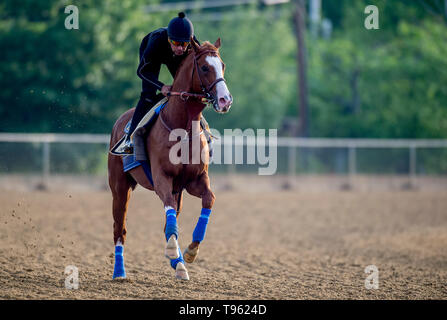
(180, 28)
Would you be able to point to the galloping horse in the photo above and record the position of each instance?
(199, 79)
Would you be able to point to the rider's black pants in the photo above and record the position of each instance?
(145, 103)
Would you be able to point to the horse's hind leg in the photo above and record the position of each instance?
(179, 199)
(120, 202)
(121, 188)
(200, 188)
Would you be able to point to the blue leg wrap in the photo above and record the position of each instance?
(119, 263)
(171, 224)
(199, 232)
(174, 262)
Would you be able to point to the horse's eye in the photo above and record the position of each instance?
(205, 69)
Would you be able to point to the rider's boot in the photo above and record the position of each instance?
(145, 103)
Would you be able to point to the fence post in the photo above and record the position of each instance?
(292, 164)
(352, 164)
(231, 169)
(45, 163)
(412, 166)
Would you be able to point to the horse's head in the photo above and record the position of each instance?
(208, 75)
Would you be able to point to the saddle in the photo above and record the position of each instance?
(140, 156)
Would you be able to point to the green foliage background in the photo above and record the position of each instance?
(58, 80)
(386, 83)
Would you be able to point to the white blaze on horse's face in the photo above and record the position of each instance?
(224, 98)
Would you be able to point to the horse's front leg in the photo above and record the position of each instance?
(200, 188)
(163, 188)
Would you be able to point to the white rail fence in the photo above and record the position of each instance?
(292, 144)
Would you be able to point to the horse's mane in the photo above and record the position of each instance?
(206, 45)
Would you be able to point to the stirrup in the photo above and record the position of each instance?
(122, 147)
(128, 146)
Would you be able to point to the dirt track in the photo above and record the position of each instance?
(277, 245)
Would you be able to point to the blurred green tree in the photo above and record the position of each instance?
(59, 80)
(362, 83)
(383, 83)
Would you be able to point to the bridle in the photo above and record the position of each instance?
(205, 97)
(206, 89)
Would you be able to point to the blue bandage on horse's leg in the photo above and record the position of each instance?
(199, 232)
(171, 223)
(119, 270)
(174, 262)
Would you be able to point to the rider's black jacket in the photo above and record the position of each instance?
(155, 50)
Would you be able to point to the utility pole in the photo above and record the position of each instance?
(315, 17)
(299, 20)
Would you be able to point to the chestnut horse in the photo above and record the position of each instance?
(199, 79)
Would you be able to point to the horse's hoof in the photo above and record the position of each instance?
(181, 272)
(171, 250)
(119, 272)
(190, 255)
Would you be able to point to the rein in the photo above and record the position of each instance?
(184, 94)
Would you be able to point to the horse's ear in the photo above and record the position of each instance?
(194, 44)
(217, 43)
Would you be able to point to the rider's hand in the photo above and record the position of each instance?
(165, 90)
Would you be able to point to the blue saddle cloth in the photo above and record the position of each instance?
(129, 161)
